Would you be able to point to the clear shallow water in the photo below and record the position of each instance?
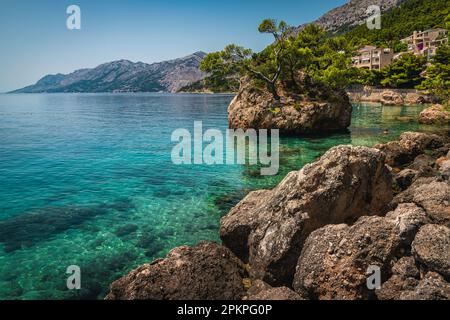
(87, 180)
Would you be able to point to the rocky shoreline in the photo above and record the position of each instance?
(389, 97)
(316, 234)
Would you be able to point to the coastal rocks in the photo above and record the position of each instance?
(391, 98)
(276, 294)
(207, 271)
(335, 259)
(410, 145)
(432, 194)
(431, 248)
(255, 108)
(408, 219)
(415, 98)
(405, 178)
(262, 291)
(436, 114)
(395, 287)
(268, 228)
(432, 287)
(388, 97)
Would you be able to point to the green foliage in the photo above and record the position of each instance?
(225, 67)
(400, 47)
(400, 22)
(404, 72)
(437, 79)
(366, 77)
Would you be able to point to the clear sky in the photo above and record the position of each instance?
(34, 40)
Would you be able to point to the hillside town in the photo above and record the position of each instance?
(420, 43)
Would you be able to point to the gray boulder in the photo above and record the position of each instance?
(207, 271)
(268, 228)
(430, 193)
(336, 258)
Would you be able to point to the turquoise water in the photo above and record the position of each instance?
(87, 180)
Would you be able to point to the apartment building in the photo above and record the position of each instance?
(426, 42)
(373, 58)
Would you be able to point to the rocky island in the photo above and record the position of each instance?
(293, 114)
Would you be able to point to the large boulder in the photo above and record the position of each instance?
(431, 248)
(436, 114)
(410, 145)
(255, 108)
(335, 260)
(207, 271)
(430, 193)
(268, 228)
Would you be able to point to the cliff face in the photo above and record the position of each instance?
(294, 114)
(125, 76)
(352, 14)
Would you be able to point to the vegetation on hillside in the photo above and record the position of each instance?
(438, 75)
(400, 22)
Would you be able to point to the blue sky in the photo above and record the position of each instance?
(34, 40)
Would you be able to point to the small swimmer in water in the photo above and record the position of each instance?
(386, 131)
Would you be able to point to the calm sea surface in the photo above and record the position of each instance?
(87, 180)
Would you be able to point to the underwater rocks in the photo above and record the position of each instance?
(27, 229)
(267, 229)
(436, 114)
(255, 108)
(207, 271)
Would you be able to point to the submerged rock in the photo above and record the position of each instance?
(207, 271)
(267, 229)
(28, 229)
(255, 108)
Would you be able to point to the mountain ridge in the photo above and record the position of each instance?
(124, 76)
(351, 14)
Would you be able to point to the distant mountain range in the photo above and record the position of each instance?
(352, 14)
(125, 76)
